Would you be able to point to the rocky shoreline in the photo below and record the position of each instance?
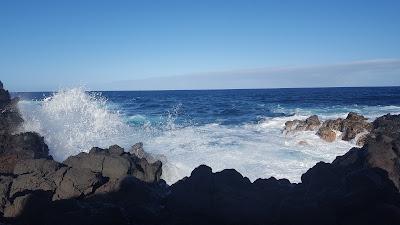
(353, 127)
(114, 186)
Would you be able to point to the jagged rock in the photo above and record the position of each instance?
(116, 150)
(16, 209)
(354, 125)
(18, 147)
(77, 183)
(10, 118)
(28, 208)
(361, 140)
(114, 163)
(137, 150)
(333, 124)
(311, 123)
(355, 117)
(53, 177)
(36, 174)
(381, 149)
(5, 184)
(327, 134)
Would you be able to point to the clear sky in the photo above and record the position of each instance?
(45, 45)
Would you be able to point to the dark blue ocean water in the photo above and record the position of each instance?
(240, 129)
(242, 106)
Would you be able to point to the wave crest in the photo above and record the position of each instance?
(73, 121)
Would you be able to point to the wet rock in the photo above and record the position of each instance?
(362, 138)
(381, 149)
(138, 150)
(353, 126)
(327, 134)
(114, 163)
(355, 117)
(333, 124)
(311, 123)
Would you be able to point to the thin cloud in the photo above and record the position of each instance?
(377, 72)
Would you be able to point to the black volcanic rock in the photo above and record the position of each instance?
(10, 118)
(115, 163)
(381, 149)
(18, 147)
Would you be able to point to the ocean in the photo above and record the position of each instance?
(240, 129)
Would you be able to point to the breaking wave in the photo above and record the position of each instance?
(73, 121)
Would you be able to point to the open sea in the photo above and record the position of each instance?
(240, 129)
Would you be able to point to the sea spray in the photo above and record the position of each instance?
(73, 121)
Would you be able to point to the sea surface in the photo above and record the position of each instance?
(240, 129)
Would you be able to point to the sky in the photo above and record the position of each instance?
(207, 44)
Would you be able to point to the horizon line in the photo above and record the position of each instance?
(216, 89)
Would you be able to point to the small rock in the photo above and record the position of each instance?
(302, 143)
(327, 134)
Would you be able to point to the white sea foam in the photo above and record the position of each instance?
(73, 121)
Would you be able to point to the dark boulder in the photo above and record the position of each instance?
(114, 163)
(14, 148)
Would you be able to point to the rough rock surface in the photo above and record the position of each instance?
(16, 147)
(311, 123)
(381, 149)
(351, 127)
(115, 163)
(354, 126)
(327, 134)
(10, 119)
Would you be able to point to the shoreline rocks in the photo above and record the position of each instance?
(354, 126)
(114, 163)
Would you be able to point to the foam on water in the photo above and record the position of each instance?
(73, 121)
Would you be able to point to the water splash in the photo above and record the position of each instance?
(73, 121)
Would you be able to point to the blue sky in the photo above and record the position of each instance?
(111, 45)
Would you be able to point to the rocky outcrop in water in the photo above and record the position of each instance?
(354, 126)
(311, 123)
